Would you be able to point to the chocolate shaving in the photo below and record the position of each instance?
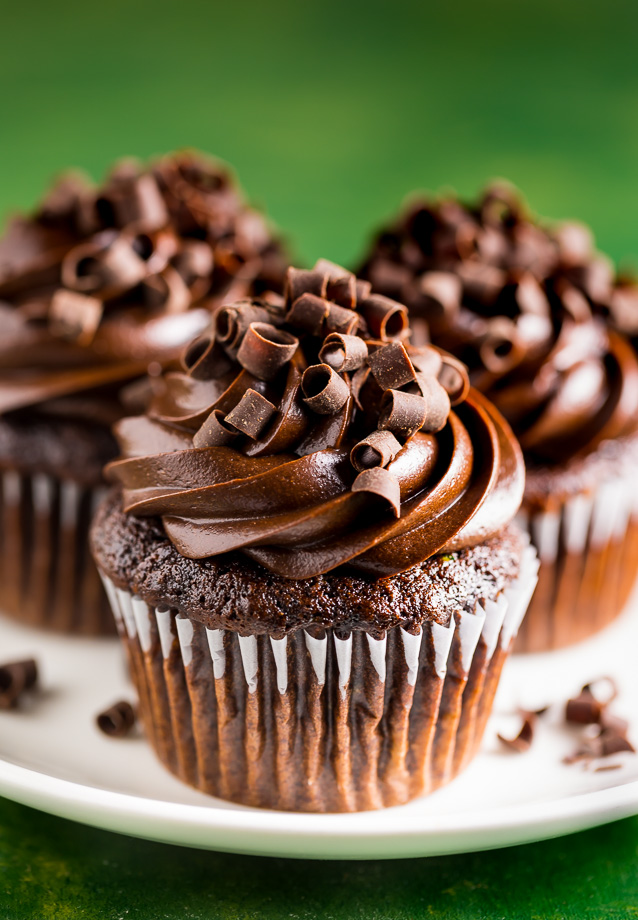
(308, 312)
(194, 262)
(342, 284)
(426, 359)
(232, 321)
(440, 294)
(325, 392)
(584, 709)
(454, 379)
(340, 319)
(265, 350)
(386, 319)
(251, 414)
(74, 316)
(382, 483)
(106, 265)
(118, 720)
(378, 449)
(402, 413)
(205, 359)
(132, 199)
(343, 352)
(16, 677)
(523, 741)
(363, 289)
(301, 281)
(391, 366)
(500, 349)
(437, 403)
(214, 432)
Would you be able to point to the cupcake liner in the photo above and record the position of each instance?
(318, 723)
(588, 548)
(47, 575)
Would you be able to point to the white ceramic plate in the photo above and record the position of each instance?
(53, 758)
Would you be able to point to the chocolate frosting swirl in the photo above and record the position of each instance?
(101, 281)
(312, 436)
(522, 305)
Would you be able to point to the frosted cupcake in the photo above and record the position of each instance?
(521, 304)
(95, 287)
(310, 556)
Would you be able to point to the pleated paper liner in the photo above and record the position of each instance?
(318, 723)
(47, 575)
(588, 548)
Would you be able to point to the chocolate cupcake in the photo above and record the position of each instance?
(95, 287)
(310, 556)
(523, 305)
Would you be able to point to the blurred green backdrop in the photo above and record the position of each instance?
(331, 112)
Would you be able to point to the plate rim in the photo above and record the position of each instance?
(307, 835)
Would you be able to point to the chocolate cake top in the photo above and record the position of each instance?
(100, 281)
(523, 305)
(310, 434)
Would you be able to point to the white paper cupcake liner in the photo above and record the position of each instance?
(47, 575)
(333, 723)
(588, 549)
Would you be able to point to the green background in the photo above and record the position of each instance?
(331, 113)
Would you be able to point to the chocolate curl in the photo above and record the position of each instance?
(575, 304)
(378, 449)
(251, 414)
(60, 203)
(575, 243)
(402, 413)
(16, 677)
(300, 281)
(214, 432)
(325, 392)
(118, 720)
(523, 741)
(265, 350)
(530, 297)
(500, 349)
(387, 319)
(584, 709)
(440, 294)
(454, 379)
(232, 321)
(308, 312)
(106, 265)
(74, 316)
(342, 284)
(205, 359)
(155, 249)
(132, 199)
(437, 402)
(381, 483)
(343, 352)
(426, 359)
(194, 262)
(363, 289)
(340, 319)
(167, 291)
(391, 366)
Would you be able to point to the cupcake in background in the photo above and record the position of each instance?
(310, 555)
(524, 306)
(96, 287)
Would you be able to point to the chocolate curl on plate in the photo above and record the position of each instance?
(118, 720)
(205, 359)
(386, 319)
(588, 707)
(106, 265)
(132, 199)
(325, 392)
(500, 349)
(301, 281)
(342, 284)
(391, 366)
(383, 484)
(309, 313)
(454, 379)
(523, 741)
(265, 350)
(16, 677)
(232, 321)
(343, 352)
(402, 413)
(378, 449)
(74, 316)
(214, 432)
(251, 414)
(340, 319)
